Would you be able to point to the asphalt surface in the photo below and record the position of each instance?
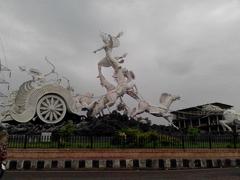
(193, 174)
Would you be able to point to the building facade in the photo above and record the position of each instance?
(194, 117)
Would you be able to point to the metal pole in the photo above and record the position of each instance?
(183, 143)
(210, 141)
(25, 141)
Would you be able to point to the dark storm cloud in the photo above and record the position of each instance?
(187, 47)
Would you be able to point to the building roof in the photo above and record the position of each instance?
(196, 108)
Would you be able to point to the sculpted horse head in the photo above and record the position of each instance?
(83, 101)
(167, 99)
(97, 107)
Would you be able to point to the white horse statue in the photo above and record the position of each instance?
(230, 116)
(97, 107)
(83, 101)
(159, 111)
(124, 79)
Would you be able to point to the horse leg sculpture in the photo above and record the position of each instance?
(167, 117)
(142, 107)
(224, 125)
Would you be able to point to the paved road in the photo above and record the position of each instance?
(195, 174)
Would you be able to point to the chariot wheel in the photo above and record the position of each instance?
(51, 109)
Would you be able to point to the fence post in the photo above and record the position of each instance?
(124, 140)
(25, 141)
(235, 140)
(91, 142)
(183, 142)
(210, 141)
(58, 140)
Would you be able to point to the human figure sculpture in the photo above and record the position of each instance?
(110, 42)
(106, 63)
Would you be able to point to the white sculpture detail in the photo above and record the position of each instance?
(230, 116)
(160, 111)
(50, 100)
(83, 101)
(110, 42)
(125, 85)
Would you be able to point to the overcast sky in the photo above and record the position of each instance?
(185, 47)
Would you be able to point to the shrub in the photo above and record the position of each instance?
(68, 129)
(135, 138)
(194, 132)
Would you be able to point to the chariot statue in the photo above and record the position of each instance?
(50, 100)
(39, 98)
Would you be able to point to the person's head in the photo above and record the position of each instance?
(105, 37)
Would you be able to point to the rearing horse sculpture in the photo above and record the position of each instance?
(124, 79)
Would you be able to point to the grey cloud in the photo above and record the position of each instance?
(187, 47)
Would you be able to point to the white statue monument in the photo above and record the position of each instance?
(125, 85)
(50, 100)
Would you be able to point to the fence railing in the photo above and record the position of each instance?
(206, 141)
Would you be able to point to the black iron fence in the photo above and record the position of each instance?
(206, 141)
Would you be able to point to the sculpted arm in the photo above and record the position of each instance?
(135, 88)
(99, 49)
